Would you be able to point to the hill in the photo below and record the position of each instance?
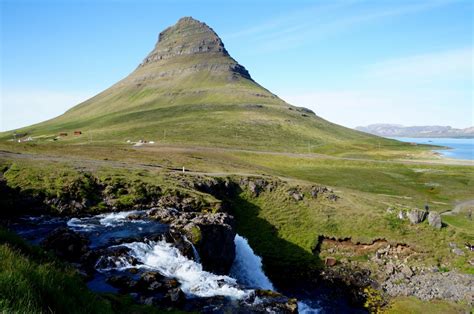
(189, 90)
(394, 130)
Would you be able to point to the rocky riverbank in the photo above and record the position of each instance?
(388, 273)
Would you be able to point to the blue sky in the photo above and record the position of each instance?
(352, 62)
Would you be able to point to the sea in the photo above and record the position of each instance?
(459, 148)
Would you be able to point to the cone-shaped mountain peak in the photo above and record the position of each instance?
(186, 48)
(187, 37)
(189, 90)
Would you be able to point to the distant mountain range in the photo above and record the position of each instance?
(397, 130)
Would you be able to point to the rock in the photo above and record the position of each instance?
(406, 270)
(416, 215)
(213, 237)
(67, 244)
(330, 261)
(212, 234)
(115, 256)
(434, 219)
(318, 190)
(174, 297)
(401, 215)
(458, 251)
(390, 269)
(254, 188)
(332, 197)
(428, 285)
(216, 246)
(271, 302)
(296, 194)
(123, 283)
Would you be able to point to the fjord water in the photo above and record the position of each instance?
(459, 148)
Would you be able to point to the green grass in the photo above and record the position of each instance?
(32, 281)
(410, 305)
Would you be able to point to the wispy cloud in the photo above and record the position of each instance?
(24, 107)
(318, 22)
(444, 65)
(366, 106)
(408, 90)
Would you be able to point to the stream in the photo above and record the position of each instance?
(145, 252)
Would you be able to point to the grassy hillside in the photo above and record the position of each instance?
(190, 91)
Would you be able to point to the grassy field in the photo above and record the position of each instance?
(366, 187)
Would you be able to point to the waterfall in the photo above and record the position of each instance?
(169, 261)
(247, 269)
(247, 266)
(195, 252)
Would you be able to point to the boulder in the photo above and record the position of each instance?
(116, 256)
(434, 219)
(271, 302)
(458, 251)
(406, 271)
(401, 215)
(67, 244)
(417, 215)
(214, 243)
(123, 283)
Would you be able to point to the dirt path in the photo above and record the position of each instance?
(92, 164)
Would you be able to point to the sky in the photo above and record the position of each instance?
(352, 62)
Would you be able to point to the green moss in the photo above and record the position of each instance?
(195, 234)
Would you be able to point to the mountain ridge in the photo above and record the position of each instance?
(398, 130)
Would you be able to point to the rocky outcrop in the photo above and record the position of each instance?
(67, 244)
(429, 284)
(151, 288)
(189, 37)
(258, 185)
(434, 219)
(211, 233)
(417, 215)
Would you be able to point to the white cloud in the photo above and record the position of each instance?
(408, 107)
(20, 108)
(317, 22)
(431, 88)
(444, 65)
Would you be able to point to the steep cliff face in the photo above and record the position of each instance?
(190, 38)
(186, 37)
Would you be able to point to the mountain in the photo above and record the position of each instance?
(396, 130)
(189, 90)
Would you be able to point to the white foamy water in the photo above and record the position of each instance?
(117, 219)
(106, 220)
(80, 224)
(169, 261)
(247, 266)
(304, 308)
(197, 258)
